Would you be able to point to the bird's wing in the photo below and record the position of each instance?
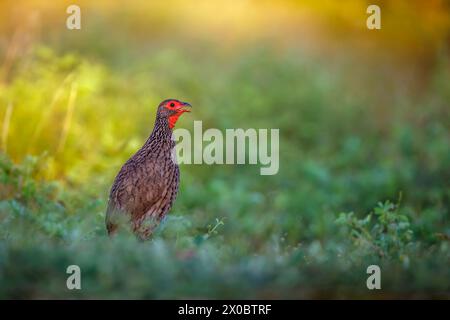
(136, 189)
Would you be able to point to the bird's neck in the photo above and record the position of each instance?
(161, 137)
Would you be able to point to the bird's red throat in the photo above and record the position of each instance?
(174, 118)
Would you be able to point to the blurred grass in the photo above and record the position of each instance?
(364, 150)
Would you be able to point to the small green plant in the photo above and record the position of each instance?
(212, 230)
(385, 231)
(22, 181)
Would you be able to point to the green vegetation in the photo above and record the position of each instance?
(364, 173)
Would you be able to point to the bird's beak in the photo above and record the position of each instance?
(185, 107)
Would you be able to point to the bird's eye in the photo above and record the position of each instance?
(172, 104)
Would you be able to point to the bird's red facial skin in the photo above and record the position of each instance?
(178, 107)
(173, 105)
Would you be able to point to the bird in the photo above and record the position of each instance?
(146, 186)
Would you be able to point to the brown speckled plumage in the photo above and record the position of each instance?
(147, 184)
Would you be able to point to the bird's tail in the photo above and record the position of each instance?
(111, 218)
(111, 228)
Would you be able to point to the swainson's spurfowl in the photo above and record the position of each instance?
(147, 184)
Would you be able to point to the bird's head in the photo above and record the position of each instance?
(173, 109)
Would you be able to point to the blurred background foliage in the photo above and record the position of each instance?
(364, 147)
